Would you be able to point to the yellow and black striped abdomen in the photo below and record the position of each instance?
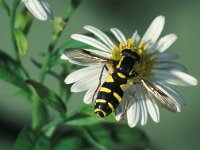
(108, 97)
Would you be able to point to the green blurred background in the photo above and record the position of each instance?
(178, 131)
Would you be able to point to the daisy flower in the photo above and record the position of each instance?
(156, 66)
(40, 9)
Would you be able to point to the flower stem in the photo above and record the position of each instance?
(12, 28)
(55, 37)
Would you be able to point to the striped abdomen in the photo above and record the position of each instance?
(109, 97)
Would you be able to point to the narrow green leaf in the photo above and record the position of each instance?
(30, 139)
(40, 114)
(117, 136)
(22, 42)
(64, 88)
(12, 72)
(39, 65)
(103, 136)
(82, 120)
(69, 143)
(48, 97)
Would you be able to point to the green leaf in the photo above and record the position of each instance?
(64, 88)
(12, 72)
(118, 136)
(102, 136)
(48, 97)
(82, 120)
(22, 42)
(30, 139)
(69, 143)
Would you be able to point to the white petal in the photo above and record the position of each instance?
(102, 36)
(133, 114)
(134, 111)
(152, 107)
(83, 73)
(89, 95)
(143, 107)
(39, 8)
(119, 35)
(170, 65)
(135, 37)
(84, 84)
(154, 30)
(90, 41)
(153, 110)
(128, 93)
(119, 111)
(48, 9)
(143, 112)
(175, 77)
(165, 42)
(165, 57)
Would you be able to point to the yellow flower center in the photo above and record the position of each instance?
(146, 64)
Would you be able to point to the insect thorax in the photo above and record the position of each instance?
(127, 62)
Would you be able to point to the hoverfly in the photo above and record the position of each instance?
(110, 93)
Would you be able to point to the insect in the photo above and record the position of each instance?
(110, 93)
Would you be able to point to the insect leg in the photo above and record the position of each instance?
(125, 107)
(100, 77)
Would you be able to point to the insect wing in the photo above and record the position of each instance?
(160, 97)
(84, 57)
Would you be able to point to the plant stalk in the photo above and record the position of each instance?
(55, 37)
(12, 28)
